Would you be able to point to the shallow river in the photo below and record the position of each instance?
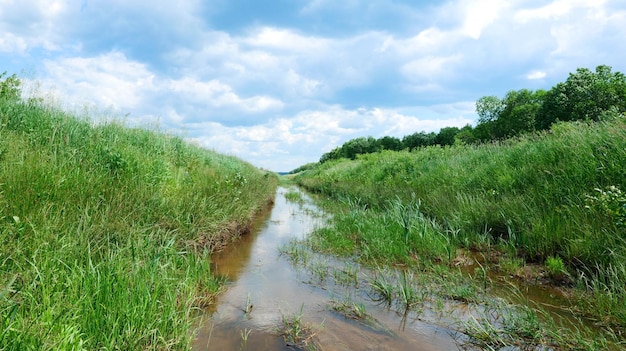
(265, 287)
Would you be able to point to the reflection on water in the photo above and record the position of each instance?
(269, 287)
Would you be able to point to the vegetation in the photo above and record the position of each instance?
(297, 333)
(551, 197)
(584, 96)
(107, 231)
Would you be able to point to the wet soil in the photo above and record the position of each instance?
(266, 287)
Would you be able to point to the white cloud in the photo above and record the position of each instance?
(298, 86)
(216, 94)
(536, 75)
(430, 67)
(557, 9)
(10, 43)
(109, 80)
(284, 39)
(478, 15)
(314, 132)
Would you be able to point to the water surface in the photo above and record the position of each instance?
(265, 287)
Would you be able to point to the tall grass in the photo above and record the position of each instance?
(107, 231)
(538, 196)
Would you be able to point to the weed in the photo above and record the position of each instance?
(244, 338)
(296, 252)
(382, 288)
(296, 332)
(347, 276)
(294, 196)
(350, 309)
(248, 307)
(407, 293)
(556, 267)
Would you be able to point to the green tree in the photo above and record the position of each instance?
(519, 112)
(359, 146)
(446, 136)
(465, 135)
(333, 154)
(418, 139)
(488, 109)
(390, 143)
(585, 95)
(10, 87)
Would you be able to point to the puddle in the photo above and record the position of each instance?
(265, 287)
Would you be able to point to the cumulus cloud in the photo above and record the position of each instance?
(314, 132)
(536, 75)
(216, 94)
(280, 85)
(109, 80)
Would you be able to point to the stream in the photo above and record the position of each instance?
(266, 287)
(271, 281)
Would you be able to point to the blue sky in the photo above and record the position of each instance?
(280, 82)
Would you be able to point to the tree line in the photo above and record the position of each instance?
(585, 96)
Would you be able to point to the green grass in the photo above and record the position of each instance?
(552, 197)
(107, 231)
(297, 333)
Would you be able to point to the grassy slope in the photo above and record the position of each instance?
(531, 195)
(106, 231)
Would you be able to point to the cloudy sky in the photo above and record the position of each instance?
(280, 82)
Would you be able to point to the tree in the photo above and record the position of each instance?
(333, 154)
(390, 143)
(10, 87)
(359, 146)
(465, 135)
(519, 112)
(585, 95)
(418, 139)
(446, 136)
(488, 109)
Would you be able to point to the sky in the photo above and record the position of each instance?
(280, 82)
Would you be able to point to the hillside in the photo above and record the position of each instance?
(107, 230)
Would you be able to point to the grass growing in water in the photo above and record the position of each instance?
(298, 333)
(107, 230)
(552, 194)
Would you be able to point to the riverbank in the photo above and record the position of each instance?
(107, 231)
(547, 204)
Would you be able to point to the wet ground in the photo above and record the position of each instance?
(266, 288)
(329, 301)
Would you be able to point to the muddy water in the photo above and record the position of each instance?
(265, 287)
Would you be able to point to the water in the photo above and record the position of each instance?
(265, 287)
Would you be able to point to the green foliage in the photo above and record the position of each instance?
(529, 195)
(10, 87)
(611, 202)
(106, 231)
(418, 140)
(556, 267)
(585, 95)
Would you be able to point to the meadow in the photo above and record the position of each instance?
(107, 230)
(546, 207)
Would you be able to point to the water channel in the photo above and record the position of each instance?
(265, 287)
(268, 284)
